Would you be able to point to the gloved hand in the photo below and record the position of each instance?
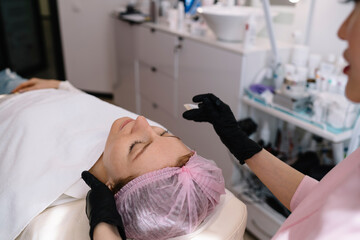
(213, 110)
(100, 205)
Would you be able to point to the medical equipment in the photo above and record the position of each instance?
(294, 103)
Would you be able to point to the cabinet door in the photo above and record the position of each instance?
(158, 88)
(124, 90)
(153, 111)
(156, 49)
(88, 43)
(207, 69)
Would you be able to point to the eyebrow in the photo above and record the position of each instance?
(148, 144)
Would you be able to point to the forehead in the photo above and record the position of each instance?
(163, 152)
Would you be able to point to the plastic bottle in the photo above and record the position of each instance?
(300, 52)
(313, 65)
(154, 11)
(250, 32)
(181, 16)
(265, 132)
(328, 66)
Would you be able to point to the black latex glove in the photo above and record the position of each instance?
(213, 110)
(100, 205)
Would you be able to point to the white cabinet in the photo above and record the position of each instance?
(156, 49)
(158, 88)
(87, 34)
(207, 69)
(125, 84)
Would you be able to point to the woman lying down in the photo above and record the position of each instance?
(51, 132)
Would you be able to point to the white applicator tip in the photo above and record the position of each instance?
(190, 106)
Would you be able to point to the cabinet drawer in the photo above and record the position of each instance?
(152, 111)
(157, 87)
(156, 49)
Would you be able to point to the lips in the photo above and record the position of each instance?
(126, 122)
(346, 69)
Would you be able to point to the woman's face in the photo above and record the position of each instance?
(350, 32)
(134, 148)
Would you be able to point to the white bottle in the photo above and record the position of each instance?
(313, 65)
(172, 18)
(250, 33)
(181, 16)
(328, 66)
(300, 53)
(265, 133)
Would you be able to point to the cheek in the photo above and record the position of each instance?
(353, 87)
(114, 161)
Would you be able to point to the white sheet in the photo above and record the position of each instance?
(48, 137)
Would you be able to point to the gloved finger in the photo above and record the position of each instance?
(208, 106)
(210, 96)
(90, 179)
(223, 106)
(214, 99)
(200, 97)
(196, 115)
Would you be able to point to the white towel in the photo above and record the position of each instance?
(47, 138)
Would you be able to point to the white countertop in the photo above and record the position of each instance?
(210, 39)
(237, 47)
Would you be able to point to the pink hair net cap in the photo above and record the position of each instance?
(171, 201)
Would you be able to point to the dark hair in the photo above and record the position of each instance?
(181, 161)
(355, 1)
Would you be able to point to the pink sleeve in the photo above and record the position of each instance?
(304, 188)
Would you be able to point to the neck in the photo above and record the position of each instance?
(98, 170)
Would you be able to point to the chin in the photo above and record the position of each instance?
(353, 96)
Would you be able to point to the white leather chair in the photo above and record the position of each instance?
(69, 221)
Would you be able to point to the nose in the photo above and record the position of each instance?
(141, 124)
(342, 32)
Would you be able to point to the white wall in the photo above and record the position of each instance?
(87, 32)
(328, 16)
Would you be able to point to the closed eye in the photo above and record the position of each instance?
(163, 133)
(133, 145)
(137, 141)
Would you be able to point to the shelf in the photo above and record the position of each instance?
(336, 138)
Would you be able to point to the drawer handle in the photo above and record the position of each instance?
(155, 106)
(177, 48)
(153, 69)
